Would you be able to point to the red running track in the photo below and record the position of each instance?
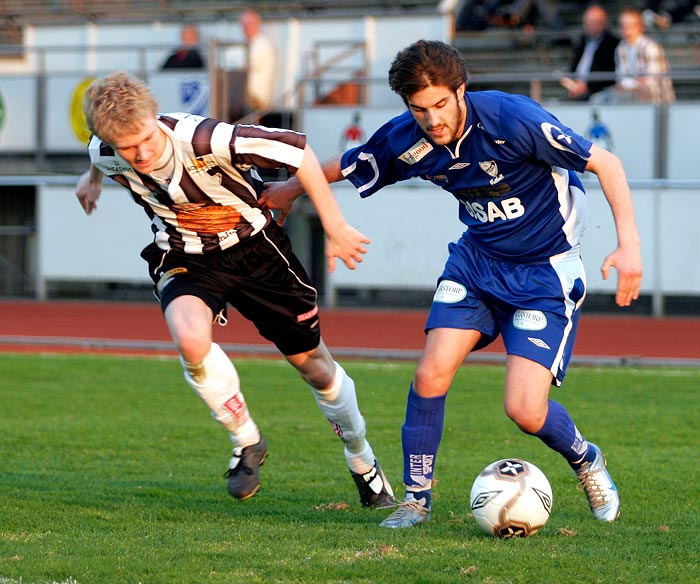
(40, 326)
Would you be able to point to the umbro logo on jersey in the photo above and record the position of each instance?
(459, 166)
(416, 152)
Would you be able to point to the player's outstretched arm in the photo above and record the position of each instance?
(627, 257)
(89, 189)
(280, 196)
(342, 239)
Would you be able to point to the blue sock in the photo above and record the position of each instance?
(560, 433)
(420, 436)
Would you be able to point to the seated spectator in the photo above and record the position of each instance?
(654, 17)
(187, 55)
(528, 13)
(594, 53)
(476, 14)
(641, 66)
(480, 14)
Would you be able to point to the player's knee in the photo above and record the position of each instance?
(317, 368)
(193, 347)
(193, 353)
(528, 420)
(431, 384)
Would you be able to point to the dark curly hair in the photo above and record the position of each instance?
(426, 63)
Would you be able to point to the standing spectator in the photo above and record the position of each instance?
(641, 66)
(187, 55)
(261, 66)
(594, 53)
(214, 245)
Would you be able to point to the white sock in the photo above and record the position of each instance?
(216, 382)
(339, 404)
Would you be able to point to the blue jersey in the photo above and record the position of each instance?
(513, 172)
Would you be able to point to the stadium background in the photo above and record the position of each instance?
(334, 61)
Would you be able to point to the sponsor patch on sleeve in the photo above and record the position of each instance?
(416, 152)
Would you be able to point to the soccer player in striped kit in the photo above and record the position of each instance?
(515, 272)
(214, 244)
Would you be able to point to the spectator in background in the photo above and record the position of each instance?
(476, 14)
(187, 55)
(641, 66)
(261, 65)
(528, 13)
(594, 53)
(654, 17)
(480, 14)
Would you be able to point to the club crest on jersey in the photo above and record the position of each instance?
(416, 152)
(491, 168)
(201, 164)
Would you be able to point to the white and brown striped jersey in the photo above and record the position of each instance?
(209, 200)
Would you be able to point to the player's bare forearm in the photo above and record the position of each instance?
(89, 189)
(626, 258)
(281, 195)
(343, 240)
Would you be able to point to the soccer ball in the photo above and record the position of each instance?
(511, 498)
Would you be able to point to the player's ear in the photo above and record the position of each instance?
(460, 90)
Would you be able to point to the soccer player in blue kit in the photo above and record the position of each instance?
(516, 270)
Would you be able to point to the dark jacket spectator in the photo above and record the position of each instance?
(187, 55)
(594, 53)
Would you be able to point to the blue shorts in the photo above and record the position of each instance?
(534, 306)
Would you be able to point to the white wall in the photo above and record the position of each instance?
(102, 247)
(409, 224)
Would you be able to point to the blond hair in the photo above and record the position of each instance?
(117, 105)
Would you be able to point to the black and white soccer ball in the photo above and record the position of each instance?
(511, 498)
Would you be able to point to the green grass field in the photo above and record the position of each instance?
(111, 472)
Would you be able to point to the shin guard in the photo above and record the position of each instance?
(216, 382)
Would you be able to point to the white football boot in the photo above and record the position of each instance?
(599, 488)
(410, 512)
